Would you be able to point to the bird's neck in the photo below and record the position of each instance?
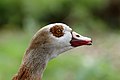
(33, 64)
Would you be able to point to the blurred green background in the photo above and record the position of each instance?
(98, 19)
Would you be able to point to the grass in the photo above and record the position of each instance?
(77, 64)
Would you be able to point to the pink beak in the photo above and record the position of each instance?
(78, 40)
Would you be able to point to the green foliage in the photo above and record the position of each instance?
(80, 12)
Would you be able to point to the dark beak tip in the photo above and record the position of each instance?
(90, 43)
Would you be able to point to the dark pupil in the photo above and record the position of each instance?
(59, 31)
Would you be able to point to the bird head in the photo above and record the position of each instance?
(59, 37)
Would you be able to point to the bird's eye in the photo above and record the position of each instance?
(57, 30)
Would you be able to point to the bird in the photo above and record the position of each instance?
(46, 44)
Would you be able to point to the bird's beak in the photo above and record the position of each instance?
(78, 40)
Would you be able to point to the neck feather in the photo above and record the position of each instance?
(33, 64)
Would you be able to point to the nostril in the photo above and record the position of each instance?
(78, 35)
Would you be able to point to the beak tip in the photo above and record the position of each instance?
(90, 43)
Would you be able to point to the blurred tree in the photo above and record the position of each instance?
(59, 14)
(11, 13)
(30, 13)
(110, 14)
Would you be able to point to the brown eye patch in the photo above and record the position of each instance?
(57, 30)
